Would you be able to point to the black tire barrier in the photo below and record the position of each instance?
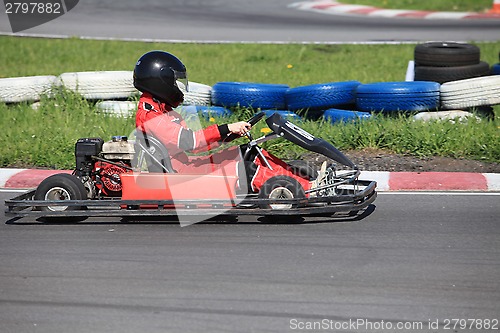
(447, 74)
(398, 96)
(321, 96)
(249, 95)
(446, 54)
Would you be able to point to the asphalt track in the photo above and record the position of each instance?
(413, 258)
(246, 20)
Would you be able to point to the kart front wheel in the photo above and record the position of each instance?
(281, 187)
(61, 187)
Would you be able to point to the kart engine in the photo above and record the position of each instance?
(99, 164)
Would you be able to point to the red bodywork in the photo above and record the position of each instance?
(175, 186)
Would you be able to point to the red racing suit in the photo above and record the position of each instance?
(168, 126)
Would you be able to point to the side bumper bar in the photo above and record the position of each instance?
(351, 200)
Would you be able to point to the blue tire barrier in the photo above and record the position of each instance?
(203, 111)
(311, 114)
(284, 113)
(337, 115)
(321, 96)
(495, 69)
(398, 96)
(249, 95)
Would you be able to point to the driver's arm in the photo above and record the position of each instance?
(190, 140)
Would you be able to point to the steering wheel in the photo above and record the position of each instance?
(252, 121)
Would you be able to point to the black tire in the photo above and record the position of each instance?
(448, 74)
(61, 187)
(446, 54)
(304, 169)
(281, 187)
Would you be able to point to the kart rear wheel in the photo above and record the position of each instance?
(61, 187)
(281, 187)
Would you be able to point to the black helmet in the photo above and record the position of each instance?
(158, 73)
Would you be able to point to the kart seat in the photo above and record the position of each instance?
(151, 151)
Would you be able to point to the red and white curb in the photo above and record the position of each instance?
(433, 181)
(25, 178)
(335, 8)
(386, 181)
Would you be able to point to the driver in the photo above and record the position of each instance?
(159, 76)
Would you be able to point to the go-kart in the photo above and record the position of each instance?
(135, 178)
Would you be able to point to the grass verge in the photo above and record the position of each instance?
(291, 64)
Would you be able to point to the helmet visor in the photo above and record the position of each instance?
(181, 81)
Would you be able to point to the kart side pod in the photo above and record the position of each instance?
(175, 186)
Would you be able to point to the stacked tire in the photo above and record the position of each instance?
(470, 93)
(249, 95)
(321, 96)
(448, 61)
(198, 94)
(327, 101)
(406, 96)
(104, 85)
(27, 88)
